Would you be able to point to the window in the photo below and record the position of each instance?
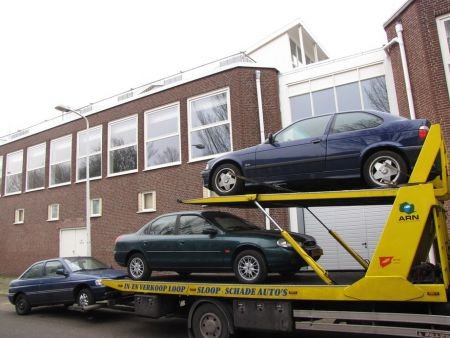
(162, 137)
(1, 174)
(301, 107)
(369, 94)
(14, 173)
(192, 224)
(53, 212)
(51, 267)
(443, 24)
(93, 152)
(374, 94)
(34, 272)
(355, 121)
(60, 160)
(348, 97)
(36, 167)
(162, 226)
(323, 101)
(96, 207)
(314, 127)
(19, 216)
(122, 146)
(209, 125)
(147, 201)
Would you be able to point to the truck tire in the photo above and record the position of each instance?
(209, 321)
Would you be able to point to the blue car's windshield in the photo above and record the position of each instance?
(229, 222)
(84, 263)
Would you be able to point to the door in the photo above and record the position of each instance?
(196, 249)
(158, 243)
(73, 242)
(54, 288)
(294, 153)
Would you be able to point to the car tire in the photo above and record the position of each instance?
(138, 268)
(225, 181)
(23, 306)
(250, 267)
(385, 168)
(85, 298)
(209, 321)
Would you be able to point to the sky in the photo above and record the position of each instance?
(77, 52)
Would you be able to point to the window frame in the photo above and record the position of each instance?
(17, 218)
(44, 145)
(91, 211)
(141, 201)
(146, 140)
(49, 212)
(50, 185)
(445, 52)
(216, 124)
(78, 157)
(1, 175)
(15, 173)
(111, 123)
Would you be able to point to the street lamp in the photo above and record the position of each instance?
(66, 109)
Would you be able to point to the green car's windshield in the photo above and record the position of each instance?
(229, 222)
(84, 263)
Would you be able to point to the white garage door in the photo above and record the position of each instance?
(359, 226)
(72, 242)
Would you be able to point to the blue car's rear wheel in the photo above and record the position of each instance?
(138, 268)
(226, 181)
(385, 168)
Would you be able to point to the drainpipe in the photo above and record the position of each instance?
(262, 132)
(401, 45)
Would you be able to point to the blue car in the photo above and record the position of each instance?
(62, 281)
(377, 147)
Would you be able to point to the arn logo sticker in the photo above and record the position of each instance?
(385, 261)
(409, 210)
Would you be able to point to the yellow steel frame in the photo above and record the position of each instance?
(417, 207)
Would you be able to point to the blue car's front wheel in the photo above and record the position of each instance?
(226, 180)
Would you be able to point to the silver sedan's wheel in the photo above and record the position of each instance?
(225, 180)
(250, 267)
(137, 267)
(384, 168)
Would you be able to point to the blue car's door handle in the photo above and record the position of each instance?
(316, 141)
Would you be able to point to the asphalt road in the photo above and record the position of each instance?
(60, 322)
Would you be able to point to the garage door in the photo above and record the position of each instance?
(359, 226)
(72, 242)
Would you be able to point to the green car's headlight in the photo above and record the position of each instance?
(283, 243)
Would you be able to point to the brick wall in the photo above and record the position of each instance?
(36, 239)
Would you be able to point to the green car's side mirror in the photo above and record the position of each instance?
(210, 231)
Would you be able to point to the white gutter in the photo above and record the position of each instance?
(262, 131)
(401, 45)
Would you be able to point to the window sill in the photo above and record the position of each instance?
(171, 164)
(96, 216)
(145, 211)
(17, 223)
(53, 220)
(90, 179)
(123, 173)
(37, 189)
(59, 185)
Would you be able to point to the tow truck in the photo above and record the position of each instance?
(401, 291)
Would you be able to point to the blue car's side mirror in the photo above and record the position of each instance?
(270, 139)
(61, 272)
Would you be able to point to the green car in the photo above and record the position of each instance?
(210, 241)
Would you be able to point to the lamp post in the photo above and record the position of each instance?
(66, 109)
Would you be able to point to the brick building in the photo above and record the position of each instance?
(43, 190)
(425, 28)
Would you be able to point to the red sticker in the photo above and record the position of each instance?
(385, 261)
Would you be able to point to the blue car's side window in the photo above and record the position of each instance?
(51, 267)
(304, 129)
(34, 272)
(355, 121)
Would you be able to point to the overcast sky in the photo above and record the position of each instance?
(76, 52)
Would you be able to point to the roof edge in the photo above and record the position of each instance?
(397, 13)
